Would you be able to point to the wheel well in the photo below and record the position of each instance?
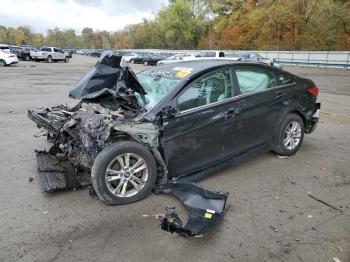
(121, 136)
(296, 112)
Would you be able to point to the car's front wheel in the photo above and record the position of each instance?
(49, 59)
(2, 62)
(290, 135)
(145, 63)
(124, 172)
(66, 59)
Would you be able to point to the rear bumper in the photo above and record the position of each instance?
(312, 118)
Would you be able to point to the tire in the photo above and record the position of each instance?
(2, 62)
(145, 63)
(109, 158)
(286, 134)
(27, 58)
(66, 59)
(132, 61)
(49, 59)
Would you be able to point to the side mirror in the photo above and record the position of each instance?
(169, 111)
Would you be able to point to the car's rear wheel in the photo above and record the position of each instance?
(49, 59)
(27, 58)
(66, 59)
(132, 61)
(2, 62)
(145, 63)
(124, 172)
(290, 135)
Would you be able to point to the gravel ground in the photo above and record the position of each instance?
(270, 216)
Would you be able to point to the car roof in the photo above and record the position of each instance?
(186, 70)
(197, 66)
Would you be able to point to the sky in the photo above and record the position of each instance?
(110, 15)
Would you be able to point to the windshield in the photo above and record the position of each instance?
(157, 86)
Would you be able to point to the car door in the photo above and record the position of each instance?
(62, 55)
(55, 54)
(259, 104)
(196, 136)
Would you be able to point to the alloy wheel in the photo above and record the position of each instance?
(126, 175)
(292, 135)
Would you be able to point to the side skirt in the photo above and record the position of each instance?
(230, 162)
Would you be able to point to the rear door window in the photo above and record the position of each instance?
(210, 88)
(253, 79)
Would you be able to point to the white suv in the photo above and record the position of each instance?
(7, 59)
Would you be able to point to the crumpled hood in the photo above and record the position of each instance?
(108, 77)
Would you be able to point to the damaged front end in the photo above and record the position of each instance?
(79, 133)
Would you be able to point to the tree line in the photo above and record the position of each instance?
(214, 24)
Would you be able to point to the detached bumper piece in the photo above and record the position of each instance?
(205, 208)
(57, 175)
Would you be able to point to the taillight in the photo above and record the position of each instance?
(313, 91)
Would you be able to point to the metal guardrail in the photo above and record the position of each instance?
(309, 58)
(330, 59)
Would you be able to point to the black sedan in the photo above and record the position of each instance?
(139, 59)
(152, 60)
(178, 121)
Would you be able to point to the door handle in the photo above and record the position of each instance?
(230, 113)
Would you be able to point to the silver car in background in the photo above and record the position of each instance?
(50, 54)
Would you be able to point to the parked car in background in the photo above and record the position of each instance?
(152, 59)
(95, 54)
(23, 52)
(175, 59)
(138, 59)
(7, 59)
(15, 50)
(209, 54)
(5, 48)
(50, 54)
(253, 57)
(70, 52)
(129, 56)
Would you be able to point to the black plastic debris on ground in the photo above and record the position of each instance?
(205, 208)
(56, 175)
